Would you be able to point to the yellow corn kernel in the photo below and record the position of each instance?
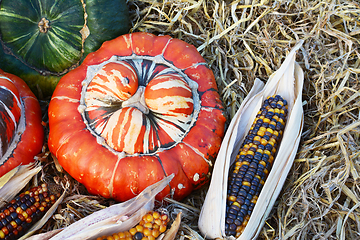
(19, 210)
(139, 228)
(260, 151)
(158, 221)
(155, 233)
(25, 214)
(13, 224)
(148, 218)
(263, 141)
(257, 138)
(262, 163)
(246, 147)
(246, 183)
(162, 228)
(267, 152)
(260, 133)
(245, 163)
(116, 236)
(250, 152)
(156, 226)
(230, 198)
(147, 232)
(148, 225)
(121, 235)
(132, 231)
(156, 215)
(270, 130)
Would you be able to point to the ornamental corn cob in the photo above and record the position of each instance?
(253, 163)
(17, 217)
(150, 227)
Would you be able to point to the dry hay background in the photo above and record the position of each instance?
(243, 40)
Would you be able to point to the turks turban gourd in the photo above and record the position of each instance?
(140, 108)
(21, 132)
(42, 39)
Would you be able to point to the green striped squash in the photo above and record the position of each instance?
(43, 39)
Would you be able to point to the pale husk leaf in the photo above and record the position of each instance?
(116, 218)
(213, 207)
(4, 179)
(287, 81)
(45, 236)
(15, 180)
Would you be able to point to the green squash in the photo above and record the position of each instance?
(41, 40)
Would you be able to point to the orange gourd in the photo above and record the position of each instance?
(21, 131)
(140, 108)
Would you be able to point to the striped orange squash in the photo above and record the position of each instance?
(140, 108)
(21, 132)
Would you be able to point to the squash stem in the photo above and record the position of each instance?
(137, 101)
(44, 25)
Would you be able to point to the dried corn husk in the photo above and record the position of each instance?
(15, 180)
(287, 81)
(171, 233)
(116, 218)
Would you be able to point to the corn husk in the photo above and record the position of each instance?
(15, 180)
(287, 81)
(170, 234)
(116, 218)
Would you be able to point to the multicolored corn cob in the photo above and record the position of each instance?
(17, 217)
(253, 164)
(149, 228)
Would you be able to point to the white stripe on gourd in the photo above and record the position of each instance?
(19, 123)
(166, 104)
